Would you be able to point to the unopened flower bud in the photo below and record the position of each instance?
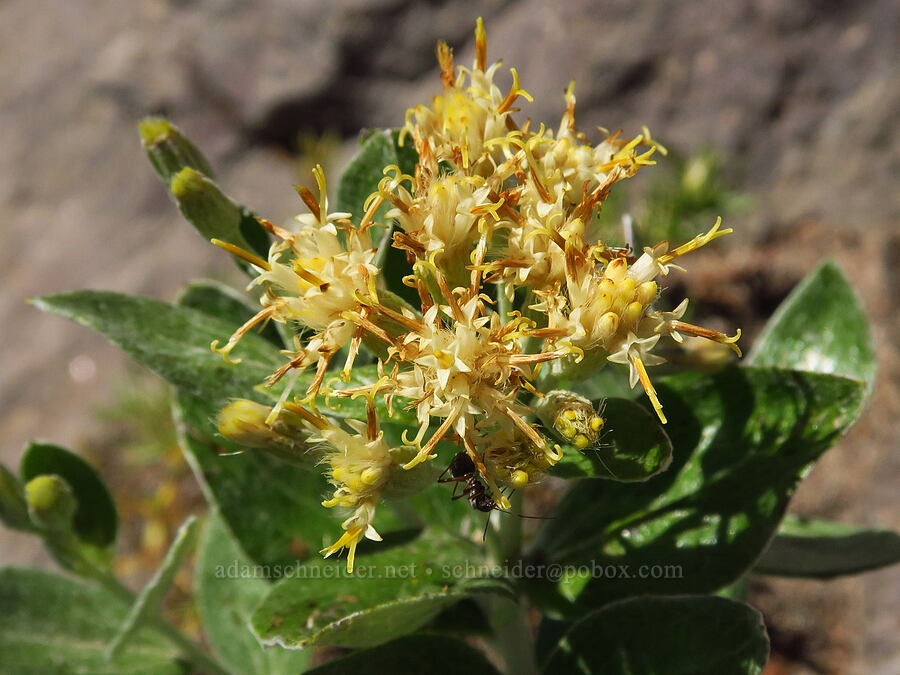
(571, 416)
(244, 422)
(607, 326)
(632, 314)
(207, 208)
(169, 150)
(518, 479)
(51, 503)
(646, 292)
(617, 269)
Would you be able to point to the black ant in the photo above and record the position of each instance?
(462, 470)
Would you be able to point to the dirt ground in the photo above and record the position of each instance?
(798, 98)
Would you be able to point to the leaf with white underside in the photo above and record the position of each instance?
(822, 549)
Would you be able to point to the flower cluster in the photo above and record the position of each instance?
(515, 290)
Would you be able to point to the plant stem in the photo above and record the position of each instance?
(507, 547)
(194, 652)
(189, 649)
(512, 638)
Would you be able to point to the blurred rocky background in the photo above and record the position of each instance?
(799, 101)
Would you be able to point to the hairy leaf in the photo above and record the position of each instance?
(648, 636)
(226, 592)
(632, 447)
(52, 624)
(820, 328)
(742, 440)
(822, 549)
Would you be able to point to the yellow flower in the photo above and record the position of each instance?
(494, 213)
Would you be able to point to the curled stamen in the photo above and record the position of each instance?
(425, 450)
(696, 242)
(256, 319)
(514, 92)
(370, 210)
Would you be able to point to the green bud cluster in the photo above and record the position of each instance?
(51, 503)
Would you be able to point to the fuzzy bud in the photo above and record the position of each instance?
(169, 150)
(51, 503)
(571, 416)
(207, 208)
(244, 422)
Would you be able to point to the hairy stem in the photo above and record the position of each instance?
(189, 649)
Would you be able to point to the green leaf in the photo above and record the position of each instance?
(174, 342)
(13, 508)
(649, 636)
(223, 302)
(360, 179)
(389, 594)
(52, 624)
(434, 654)
(633, 447)
(822, 549)
(550, 632)
(608, 382)
(96, 520)
(226, 595)
(273, 508)
(821, 327)
(362, 175)
(742, 440)
(147, 604)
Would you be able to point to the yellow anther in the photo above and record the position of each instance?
(648, 387)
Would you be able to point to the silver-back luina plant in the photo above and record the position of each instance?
(452, 321)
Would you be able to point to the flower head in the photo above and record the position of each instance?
(495, 213)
